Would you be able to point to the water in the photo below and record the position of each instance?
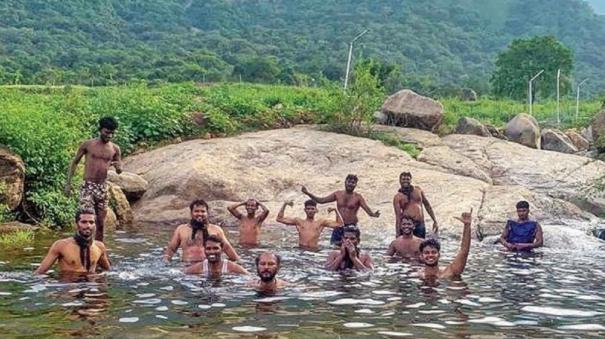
(553, 293)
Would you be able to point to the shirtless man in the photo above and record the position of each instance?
(430, 248)
(80, 253)
(406, 245)
(214, 266)
(309, 229)
(348, 203)
(349, 256)
(267, 267)
(191, 237)
(522, 234)
(249, 227)
(100, 153)
(409, 201)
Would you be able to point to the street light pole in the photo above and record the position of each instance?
(578, 98)
(529, 92)
(350, 55)
(558, 98)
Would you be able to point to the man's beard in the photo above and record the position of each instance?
(434, 264)
(407, 190)
(84, 243)
(199, 225)
(267, 278)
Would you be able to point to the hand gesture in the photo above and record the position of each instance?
(304, 190)
(466, 217)
(436, 227)
(351, 250)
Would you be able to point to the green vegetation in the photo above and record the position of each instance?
(16, 239)
(5, 214)
(437, 45)
(526, 57)
(392, 140)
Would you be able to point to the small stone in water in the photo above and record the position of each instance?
(129, 320)
(249, 329)
(161, 308)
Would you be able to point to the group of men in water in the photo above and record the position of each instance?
(203, 243)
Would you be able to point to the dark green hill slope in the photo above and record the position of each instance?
(434, 42)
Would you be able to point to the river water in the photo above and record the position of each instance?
(554, 293)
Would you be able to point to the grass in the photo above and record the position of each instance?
(392, 140)
(16, 239)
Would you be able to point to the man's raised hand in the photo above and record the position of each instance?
(466, 217)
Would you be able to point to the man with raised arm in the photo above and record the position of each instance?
(348, 203)
(267, 267)
(349, 256)
(191, 237)
(407, 245)
(80, 253)
(522, 234)
(214, 266)
(250, 223)
(430, 253)
(100, 154)
(309, 229)
(409, 201)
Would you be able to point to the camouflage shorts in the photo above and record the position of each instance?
(93, 196)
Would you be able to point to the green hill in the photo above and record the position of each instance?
(436, 43)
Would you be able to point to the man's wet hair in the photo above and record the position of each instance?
(215, 239)
(277, 258)
(109, 123)
(198, 202)
(407, 174)
(430, 243)
(352, 177)
(352, 229)
(84, 211)
(407, 217)
(311, 202)
(523, 204)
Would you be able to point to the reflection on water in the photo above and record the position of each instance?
(547, 294)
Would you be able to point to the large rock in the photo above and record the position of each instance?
(472, 126)
(587, 134)
(133, 186)
(468, 94)
(408, 109)
(598, 126)
(555, 140)
(463, 171)
(524, 129)
(12, 178)
(272, 165)
(120, 205)
(15, 226)
(578, 140)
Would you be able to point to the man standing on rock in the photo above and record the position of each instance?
(309, 229)
(192, 236)
(407, 245)
(80, 253)
(347, 203)
(249, 227)
(522, 234)
(214, 266)
(430, 253)
(100, 153)
(408, 202)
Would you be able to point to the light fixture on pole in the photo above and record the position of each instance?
(350, 55)
(558, 98)
(529, 91)
(578, 98)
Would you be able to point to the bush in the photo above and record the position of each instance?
(16, 239)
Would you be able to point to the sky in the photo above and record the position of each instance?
(597, 5)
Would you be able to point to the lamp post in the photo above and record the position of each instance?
(558, 98)
(529, 92)
(578, 98)
(350, 55)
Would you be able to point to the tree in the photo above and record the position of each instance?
(526, 57)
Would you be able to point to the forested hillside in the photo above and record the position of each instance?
(436, 44)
